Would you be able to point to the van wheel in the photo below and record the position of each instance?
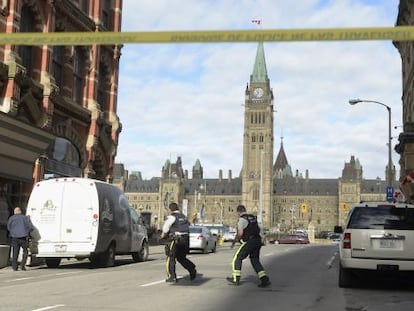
(52, 262)
(346, 278)
(142, 254)
(107, 259)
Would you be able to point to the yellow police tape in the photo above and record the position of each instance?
(398, 33)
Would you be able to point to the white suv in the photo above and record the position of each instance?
(378, 237)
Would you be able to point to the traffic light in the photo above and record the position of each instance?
(304, 208)
(344, 207)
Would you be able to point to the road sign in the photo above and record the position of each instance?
(390, 194)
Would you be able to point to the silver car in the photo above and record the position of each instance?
(202, 239)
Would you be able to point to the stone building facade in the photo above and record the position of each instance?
(285, 201)
(405, 147)
(58, 103)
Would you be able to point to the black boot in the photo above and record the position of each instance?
(193, 274)
(264, 282)
(234, 281)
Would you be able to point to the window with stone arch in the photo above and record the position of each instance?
(65, 151)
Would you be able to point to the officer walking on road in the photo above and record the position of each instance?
(176, 228)
(19, 227)
(248, 232)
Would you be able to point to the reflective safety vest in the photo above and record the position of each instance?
(252, 229)
(180, 224)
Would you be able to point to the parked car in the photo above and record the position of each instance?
(229, 235)
(202, 239)
(378, 238)
(293, 239)
(335, 237)
(325, 234)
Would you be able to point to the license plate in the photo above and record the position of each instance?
(388, 243)
(60, 248)
(387, 267)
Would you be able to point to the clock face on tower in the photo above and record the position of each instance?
(258, 92)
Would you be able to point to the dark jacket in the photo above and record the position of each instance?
(19, 226)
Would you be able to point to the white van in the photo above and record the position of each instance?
(84, 218)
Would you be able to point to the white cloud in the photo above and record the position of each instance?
(186, 99)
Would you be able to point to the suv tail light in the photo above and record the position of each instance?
(347, 240)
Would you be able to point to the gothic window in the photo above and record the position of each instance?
(261, 139)
(253, 138)
(251, 118)
(256, 194)
(78, 75)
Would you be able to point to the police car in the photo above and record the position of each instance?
(378, 239)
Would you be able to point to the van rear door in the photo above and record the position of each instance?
(62, 211)
(77, 212)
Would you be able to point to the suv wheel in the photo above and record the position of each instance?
(346, 278)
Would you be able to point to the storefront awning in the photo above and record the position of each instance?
(20, 145)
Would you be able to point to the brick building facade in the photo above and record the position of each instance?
(58, 103)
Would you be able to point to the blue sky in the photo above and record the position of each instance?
(186, 99)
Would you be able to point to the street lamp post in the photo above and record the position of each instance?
(260, 216)
(389, 169)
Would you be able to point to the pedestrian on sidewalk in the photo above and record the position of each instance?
(19, 227)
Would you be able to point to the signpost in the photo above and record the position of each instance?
(390, 194)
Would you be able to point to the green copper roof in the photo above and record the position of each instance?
(259, 70)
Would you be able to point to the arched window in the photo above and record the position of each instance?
(65, 151)
(255, 196)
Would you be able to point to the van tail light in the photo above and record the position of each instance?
(347, 240)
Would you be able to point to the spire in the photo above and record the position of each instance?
(281, 160)
(259, 70)
(281, 168)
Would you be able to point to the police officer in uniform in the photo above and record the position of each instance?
(176, 228)
(248, 232)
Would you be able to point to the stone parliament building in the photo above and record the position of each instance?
(282, 200)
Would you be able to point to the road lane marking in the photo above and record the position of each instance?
(157, 282)
(48, 308)
(19, 279)
(65, 273)
(329, 263)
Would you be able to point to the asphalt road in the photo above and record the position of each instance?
(304, 277)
